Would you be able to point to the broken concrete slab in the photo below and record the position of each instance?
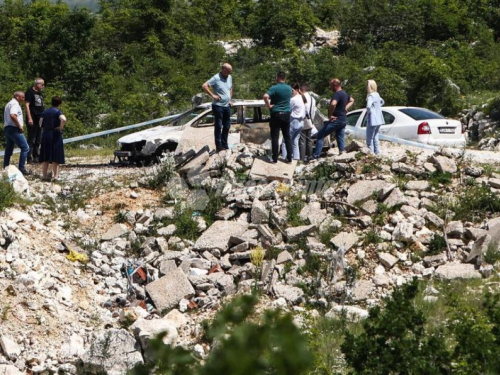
(284, 257)
(9, 347)
(387, 260)
(111, 351)
(115, 231)
(395, 198)
(444, 164)
(195, 163)
(167, 291)
(259, 213)
(147, 330)
(346, 239)
(218, 234)
(262, 169)
(314, 213)
(291, 294)
(362, 190)
(295, 233)
(457, 271)
(417, 185)
(435, 260)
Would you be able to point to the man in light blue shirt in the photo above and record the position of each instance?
(220, 88)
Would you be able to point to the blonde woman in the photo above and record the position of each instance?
(375, 117)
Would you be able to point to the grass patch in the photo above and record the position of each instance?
(8, 196)
(437, 178)
(214, 204)
(371, 237)
(400, 180)
(295, 205)
(187, 226)
(242, 176)
(475, 203)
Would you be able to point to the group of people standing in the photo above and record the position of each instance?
(45, 127)
(292, 110)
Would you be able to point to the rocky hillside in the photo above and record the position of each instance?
(96, 265)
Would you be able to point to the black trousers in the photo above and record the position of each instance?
(280, 121)
(34, 137)
(305, 144)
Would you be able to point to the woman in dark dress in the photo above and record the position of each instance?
(52, 122)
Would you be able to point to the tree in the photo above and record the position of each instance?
(276, 21)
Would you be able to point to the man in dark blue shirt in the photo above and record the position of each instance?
(337, 118)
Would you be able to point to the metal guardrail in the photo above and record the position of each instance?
(107, 132)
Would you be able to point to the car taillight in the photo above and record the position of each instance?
(424, 128)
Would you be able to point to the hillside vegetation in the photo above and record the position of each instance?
(135, 59)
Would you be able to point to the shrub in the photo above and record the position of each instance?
(492, 253)
(395, 340)
(436, 245)
(324, 171)
(162, 173)
(7, 194)
(272, 346)
(120, 217)
(493, 109)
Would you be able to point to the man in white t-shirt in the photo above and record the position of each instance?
(13, 130)
(306, 142)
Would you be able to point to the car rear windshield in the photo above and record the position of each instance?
(421, 114)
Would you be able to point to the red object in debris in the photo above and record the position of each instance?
(142, 274)
(214, 269)
(192, 305)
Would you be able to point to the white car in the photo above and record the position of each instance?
(411, 123)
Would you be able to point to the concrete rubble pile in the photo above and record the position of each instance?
(482, 128)
(270, 230)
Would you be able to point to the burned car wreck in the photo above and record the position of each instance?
(193, 129)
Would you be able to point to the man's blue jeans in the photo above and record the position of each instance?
(339, 128)
(296, 126)
(14, 137)
(222, 120)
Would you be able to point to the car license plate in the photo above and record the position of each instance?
(447, 130)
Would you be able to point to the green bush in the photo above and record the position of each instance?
(437, 245)
(493, 109)
(273, 345)
(492, 253)
(395, 340)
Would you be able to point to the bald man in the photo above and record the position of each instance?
(220, 88)
(337, 118)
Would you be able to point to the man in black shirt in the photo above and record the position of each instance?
(337, 118)
(34, 108)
